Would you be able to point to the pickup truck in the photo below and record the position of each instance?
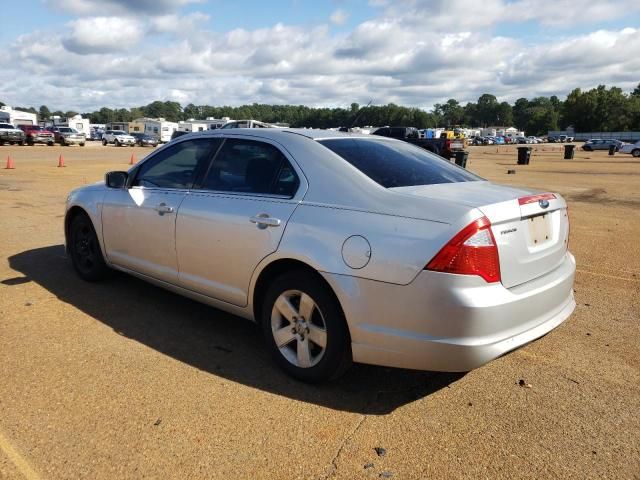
(36, 134)
(445, 147)
(10, 134)
(118, 138)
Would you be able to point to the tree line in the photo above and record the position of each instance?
(599, 109)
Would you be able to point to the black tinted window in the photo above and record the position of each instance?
(397, 164)
(248, 166)
(178, 165)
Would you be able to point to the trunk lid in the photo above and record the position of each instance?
(531, 232)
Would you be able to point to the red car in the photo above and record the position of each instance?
(36, 134)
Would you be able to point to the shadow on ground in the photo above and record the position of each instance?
(214, 341)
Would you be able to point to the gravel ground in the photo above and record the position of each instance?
(125, 380)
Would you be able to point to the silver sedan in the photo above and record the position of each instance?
(342, 247)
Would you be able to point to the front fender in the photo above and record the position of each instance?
(88, 199)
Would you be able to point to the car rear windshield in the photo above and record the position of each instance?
(396, 163)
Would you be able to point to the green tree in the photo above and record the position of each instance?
(487, 109)
(44, 112)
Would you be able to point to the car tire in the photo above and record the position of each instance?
(296, 342)
(635, 153)
(81, 144)
(51, 144)
(104, 142)
(116, 142)
(84, 249)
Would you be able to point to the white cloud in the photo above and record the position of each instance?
(173, 23)
(117, 7)
(339, 17)
(406, 55)
(103, 34)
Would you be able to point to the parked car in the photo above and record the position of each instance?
(67, 136)
(499, 140)
(178, 133)
(247, 124)
(534, 140)
(522, 140)
(144, 140)
(96, 134)
(631, 148)
(118, 137)
(11, 135)
(36, 134)
(600, 144)
(342, 247)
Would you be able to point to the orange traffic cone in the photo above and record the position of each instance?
(61, 161)
(133, 160)
(9, 163)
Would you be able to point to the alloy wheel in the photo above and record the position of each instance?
(299, 329)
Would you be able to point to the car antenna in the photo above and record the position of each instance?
(353, 122)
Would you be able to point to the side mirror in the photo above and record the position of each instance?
(116, 179)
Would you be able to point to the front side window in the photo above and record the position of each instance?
(249, 166)
(396, 163)
(177, 166)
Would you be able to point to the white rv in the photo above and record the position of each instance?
(80, 124)
(17, 117)
(157, 127)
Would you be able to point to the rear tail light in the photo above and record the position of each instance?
(472, 251)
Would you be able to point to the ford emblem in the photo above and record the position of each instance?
(543, 203)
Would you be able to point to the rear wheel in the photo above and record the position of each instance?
(85, 250)
(304, 327)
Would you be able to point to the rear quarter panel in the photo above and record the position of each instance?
(400, 247)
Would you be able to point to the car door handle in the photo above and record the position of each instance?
(164, 208)
(263, 220)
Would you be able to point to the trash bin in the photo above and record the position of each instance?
(461, 158)
(524, 155)
(568, 152)
(612, 149)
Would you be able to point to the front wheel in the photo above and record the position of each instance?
(305, 329)
(84, 248)
(104, 142)
(636, 153)
(82, 144)
(116, 143)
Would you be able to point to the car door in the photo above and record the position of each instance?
(138, 222)
(236, 217)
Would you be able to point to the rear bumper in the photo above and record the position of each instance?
(453, 323)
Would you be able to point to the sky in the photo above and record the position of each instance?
(82, 55)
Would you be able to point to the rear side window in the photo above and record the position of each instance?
(249, 166)
(396, 163)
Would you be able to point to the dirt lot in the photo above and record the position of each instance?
(125, 380)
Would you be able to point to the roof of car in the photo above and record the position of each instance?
(275, 133)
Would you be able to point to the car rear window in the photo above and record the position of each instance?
(396, 163)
